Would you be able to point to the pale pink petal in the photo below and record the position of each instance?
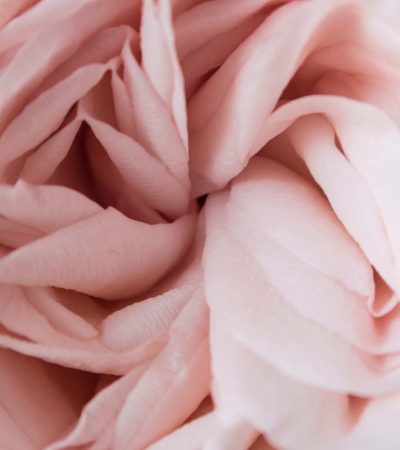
(63, 331)
(99, 49)
(122, 106)
(44, 208)
(160, 62)
(21, 317)
(208, 432)
(143, 173)
(13, 234)
(40, 165)
(255, 215)
(190, 436)
(178, 375)
(351, 121)
(254, 77)
(150, 113)
(173, 386)
(246, 387)
(376, 429)
(25, 133)
(60, 317)
(92, 357)
(388, 9)
(197, 65)
(37, 400)
(101, 412)
(256, 200)
(264, 317)
(249, 83)
(11, 8)
(107, 183)
(122, 257)
(33, 20)
(153, 316)
(194, 28)
(62, 39)
(348, 193)
(145, 320)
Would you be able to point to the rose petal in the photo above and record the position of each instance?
(209, 433)
(350, 198)
(351, 121)
(153, 316)
(261, 317)
(11, 8)
(150, 113)
(101, 412)
(49, 395)
(173, 386)
(62, 38)
(44, 208)
(92, 358)
(160, 62)
(52, 107)
(242, 88)
(122, 257)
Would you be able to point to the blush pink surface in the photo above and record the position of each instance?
(199, 225)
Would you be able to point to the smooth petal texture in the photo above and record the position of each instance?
(260, 315)
(160, 61)
(60, 316)
(108, 245)
(141, 171)
(150, 113)
(153, 317)
(92, 358)
(11, 8)
(52, 106)
(120, 121)
(351, 199)
(173, 386)
(351, 121)
(36, 409)
(165, 389)
(275, 407)
(21, 78)
(100, 412)
(235, 97)
(44, 208)
(208, 432)
(376, 429)
(220, 132)
(255, 213)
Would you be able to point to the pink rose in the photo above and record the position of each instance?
(95, 215)
(303, 245)
(281, 118)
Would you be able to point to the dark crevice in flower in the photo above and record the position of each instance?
(202, 200)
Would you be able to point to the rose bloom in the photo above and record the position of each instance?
(199, 225)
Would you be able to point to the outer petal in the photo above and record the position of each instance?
(351, 121)
(253, 78)
(283, 360)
